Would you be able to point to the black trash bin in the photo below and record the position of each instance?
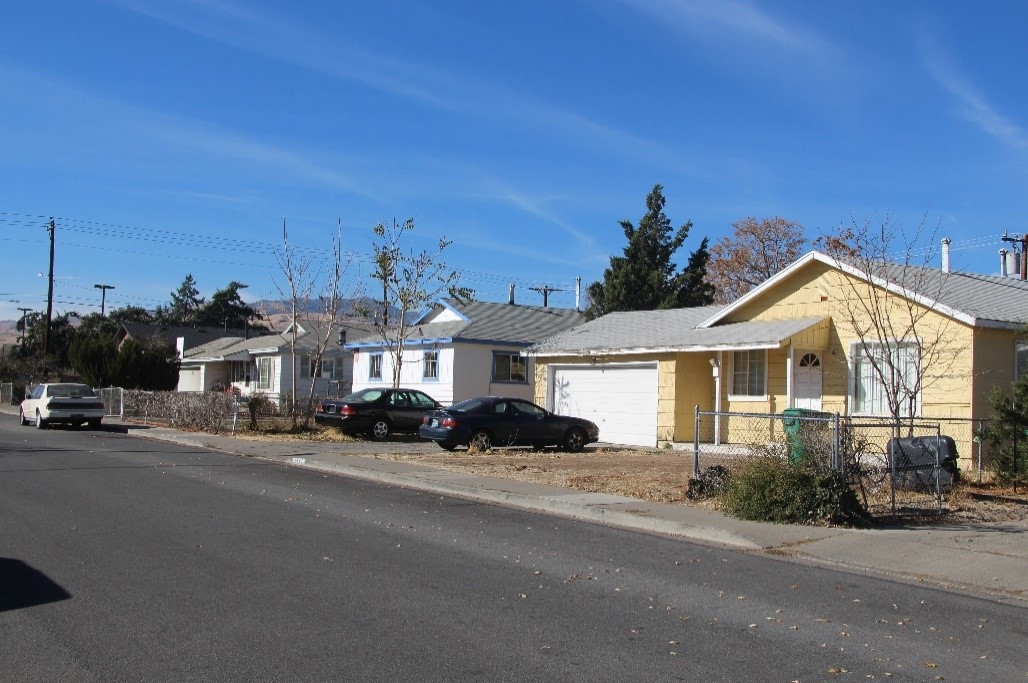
(913, 460)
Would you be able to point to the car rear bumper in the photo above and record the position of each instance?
(347, 423)
(73, 416)
(441, 434)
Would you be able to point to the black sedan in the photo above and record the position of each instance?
(376, 412)
(492, 421)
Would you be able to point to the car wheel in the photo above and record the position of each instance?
(40, 422)
(574, 440)
(381, 429)
(481, 440)
(21, 417)
(446, 445)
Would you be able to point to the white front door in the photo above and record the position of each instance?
(807, 381)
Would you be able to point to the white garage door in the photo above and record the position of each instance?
(621, 399)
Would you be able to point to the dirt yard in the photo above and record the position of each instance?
(647, 474)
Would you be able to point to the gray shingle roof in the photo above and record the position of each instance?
(492, 322)
(666, 330)
(983, 300)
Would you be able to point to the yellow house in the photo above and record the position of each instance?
(870, 339)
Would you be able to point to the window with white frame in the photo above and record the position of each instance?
(881, 371)
(240, 371)
(265, 371)
(375, 365)
(1020, 359)
(307, 367)
(430, 364)
(509, 367)
(749, 373)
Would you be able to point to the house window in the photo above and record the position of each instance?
(265, 370)
(1020, 360)
(509, 367)
(881, 371)
(240, 372)
(309, 368)
(430, 365)
(749, 373)
(374, 366)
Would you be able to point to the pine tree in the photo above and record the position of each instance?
(645, 277)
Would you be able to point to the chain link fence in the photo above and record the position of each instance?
(7, 393)
(896, 469)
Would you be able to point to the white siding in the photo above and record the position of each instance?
(411, 374)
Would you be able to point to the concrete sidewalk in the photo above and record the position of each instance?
(984, 559)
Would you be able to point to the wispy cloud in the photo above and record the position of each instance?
(278, 38)
(102, 127)
(972, 104)
(742, 18)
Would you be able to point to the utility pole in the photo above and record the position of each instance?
(1023, 239)
(546, 290)
(52, 228)
(103, 296)
(24, 312)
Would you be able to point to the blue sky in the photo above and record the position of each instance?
(173, 136)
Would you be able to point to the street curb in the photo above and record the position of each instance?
(551, 504)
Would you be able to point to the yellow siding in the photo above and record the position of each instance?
(993, 359)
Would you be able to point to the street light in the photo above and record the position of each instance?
(103, 296)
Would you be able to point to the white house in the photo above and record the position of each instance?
(456, 350)
(264, 364)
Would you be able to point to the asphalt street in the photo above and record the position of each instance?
(125, 559)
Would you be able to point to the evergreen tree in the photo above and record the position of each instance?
(645, 278)
(151, 365)
(226, 308)
(185, 307)
(92, 357)
(1007, 434)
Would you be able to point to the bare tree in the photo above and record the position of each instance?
(330, 313)
(296, 268)
(410, 282)
(904, 346)
(757, 250)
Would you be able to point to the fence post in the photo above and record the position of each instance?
(696, 444)
(836, 460)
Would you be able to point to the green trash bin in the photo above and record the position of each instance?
(800, 426)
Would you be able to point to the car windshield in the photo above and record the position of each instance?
(364, 395)
(468, 405)
(70, 391)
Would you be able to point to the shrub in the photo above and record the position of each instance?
(1007, 434)
(710, 484)
(771, 489)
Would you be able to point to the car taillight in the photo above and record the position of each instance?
(320, 408)
(448, 422)
(347, 410)
(425, 420)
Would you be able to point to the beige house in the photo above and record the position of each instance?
(810, 337)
